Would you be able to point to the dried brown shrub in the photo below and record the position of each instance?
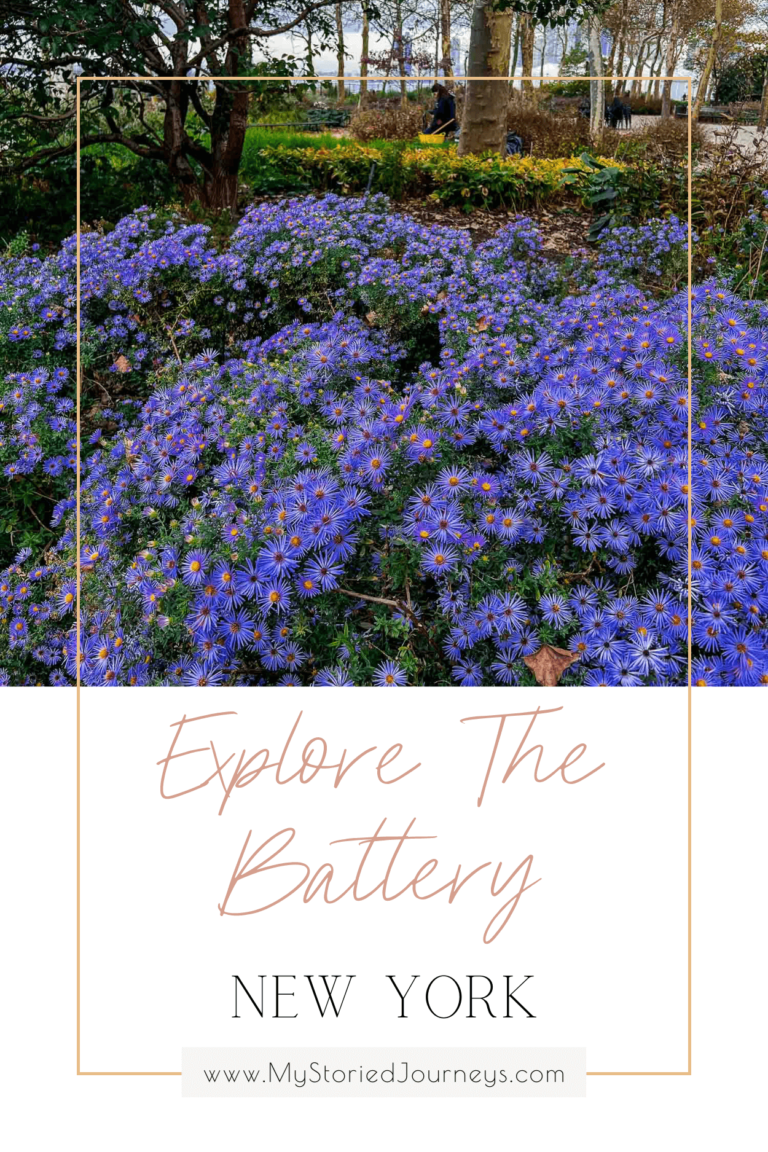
(729, 181)
(545, 134)
(645, 105)
(387, 122)
(661, 142)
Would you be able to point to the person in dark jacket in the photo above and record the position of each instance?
(614, 112)
(444, 111)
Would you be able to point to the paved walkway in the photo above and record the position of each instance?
(746, 135)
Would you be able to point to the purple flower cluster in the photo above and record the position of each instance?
(352, 449)
(648, 249)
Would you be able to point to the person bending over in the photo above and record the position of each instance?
(444, 111)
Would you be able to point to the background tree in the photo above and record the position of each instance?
(483, 126)
(446, 62)
(484, 122)
(340, 56)
(364, 49)
(527, 33)
(45, 42)
(707, 70)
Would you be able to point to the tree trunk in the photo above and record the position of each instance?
(310, 53)
(637, 83)
(364, 56)
(635, 72)
(229, 121)
(701, 91)
(652, 88)
(609, 71)
(669, 66)
(174, 139)
(543, 50)
(400, 51)
(445, 37)
(527, 35)
(438, 53)
(209, 175)
(515, 52)
(228, 127)
(617, 51)
(618, 67)
(596, 86)
(763, 117)
(484, 123)
(340, 52)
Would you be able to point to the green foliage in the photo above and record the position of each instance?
(579, 86)
(574, 63)
(257, 138)
(602, 192)
(742, 79)
(409, 170)
(114, 183)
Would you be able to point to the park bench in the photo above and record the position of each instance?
(712, 115)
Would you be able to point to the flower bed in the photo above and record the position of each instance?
(436, 171)
(354, 450)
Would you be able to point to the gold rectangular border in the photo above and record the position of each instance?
(503, 79)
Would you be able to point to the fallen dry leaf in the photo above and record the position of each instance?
(122, 364)
(371, 317)
(548, 664)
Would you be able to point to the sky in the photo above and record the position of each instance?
(326, 63)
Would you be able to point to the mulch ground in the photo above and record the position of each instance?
(563, 230)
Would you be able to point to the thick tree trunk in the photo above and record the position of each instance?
(527, 35)
(701, 91)
(445, 37)
(174, 138)
(596, 85)
(229, 122)
(340, 52)
(228, 128)
(219, 194)
(364, 55)
(209, 175)
(484, 124)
